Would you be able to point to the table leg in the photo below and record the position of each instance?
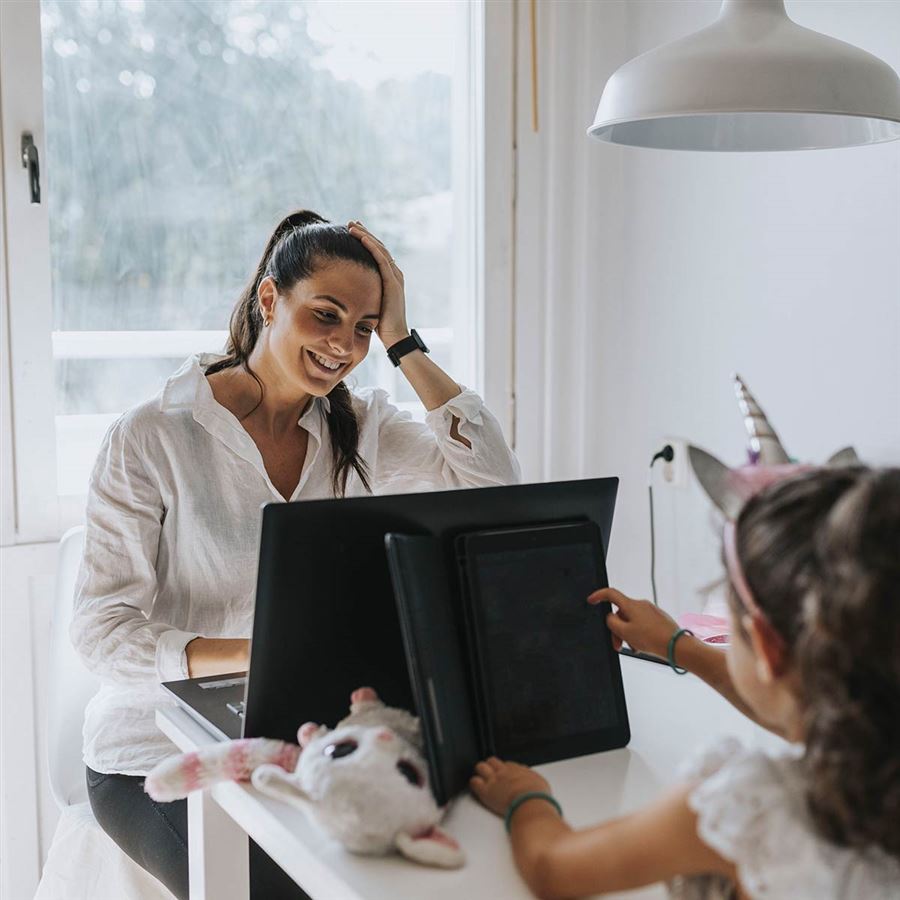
(217, 852)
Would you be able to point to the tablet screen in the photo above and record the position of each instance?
(544, 652)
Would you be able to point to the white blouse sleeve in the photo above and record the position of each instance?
(415, 456)
(116, 588)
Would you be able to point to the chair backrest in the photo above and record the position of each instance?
(71, 685)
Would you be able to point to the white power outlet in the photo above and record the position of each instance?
(677, 472)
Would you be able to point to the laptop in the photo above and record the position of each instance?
(216, 702)
(326, 621)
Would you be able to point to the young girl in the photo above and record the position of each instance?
(814, 566)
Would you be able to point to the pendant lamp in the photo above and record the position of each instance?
(753, 80)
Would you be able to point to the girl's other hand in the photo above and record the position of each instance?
(392, 322)
(639, 623)
(496, 783)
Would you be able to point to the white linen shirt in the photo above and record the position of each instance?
(173, 525)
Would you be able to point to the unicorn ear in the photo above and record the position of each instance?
(847, 456)
(765, 448)
(716, 479)
(274, 781)
(309, 731)
(433, 848)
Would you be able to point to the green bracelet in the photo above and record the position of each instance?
(670, 654)
(529, 795)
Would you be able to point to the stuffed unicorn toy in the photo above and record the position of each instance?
(365, 782)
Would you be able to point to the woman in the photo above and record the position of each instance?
(168, 577)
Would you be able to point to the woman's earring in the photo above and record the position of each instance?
(267, 322)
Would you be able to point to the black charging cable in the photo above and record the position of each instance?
(667, 454)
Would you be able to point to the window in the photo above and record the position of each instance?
(172, 136)
(179, 133)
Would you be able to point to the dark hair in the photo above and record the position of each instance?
(299, 245)
(821, 555)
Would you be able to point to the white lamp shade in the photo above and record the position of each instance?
(753, 80)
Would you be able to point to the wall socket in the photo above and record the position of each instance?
(677, 472)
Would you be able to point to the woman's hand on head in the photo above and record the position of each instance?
(496, 783)
(639, 623)
(392, 325)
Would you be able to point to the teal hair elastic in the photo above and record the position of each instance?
(670, 654)
(529, 795)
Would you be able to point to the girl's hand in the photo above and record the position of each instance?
(496, 783)
(639, 623)
(392, 322)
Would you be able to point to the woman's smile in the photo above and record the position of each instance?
(325, 364)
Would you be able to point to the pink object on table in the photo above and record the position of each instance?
(709, 629)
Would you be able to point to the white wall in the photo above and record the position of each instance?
(675, 269)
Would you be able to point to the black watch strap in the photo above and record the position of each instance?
(397, 351)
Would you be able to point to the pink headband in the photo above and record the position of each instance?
(736, 572)
(739, 581)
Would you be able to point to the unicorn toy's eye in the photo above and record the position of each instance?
(410, 773)
(342, 748)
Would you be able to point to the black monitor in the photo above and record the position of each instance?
(326, 621)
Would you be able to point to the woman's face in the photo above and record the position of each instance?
(320, 330)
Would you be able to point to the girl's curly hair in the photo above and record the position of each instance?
(821, 554)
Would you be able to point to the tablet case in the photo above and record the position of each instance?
(433, 641)
(442, 632)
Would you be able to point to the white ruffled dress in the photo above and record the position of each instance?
(751, 809)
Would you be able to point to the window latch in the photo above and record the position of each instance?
(30, 162)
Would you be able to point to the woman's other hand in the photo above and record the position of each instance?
(392, 325)
(217, 656)
(639, 623)
(496, 783)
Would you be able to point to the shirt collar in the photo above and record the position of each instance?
(185, 389)
(182, 388)
(188, 388)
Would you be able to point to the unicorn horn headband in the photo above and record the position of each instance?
(730, 488)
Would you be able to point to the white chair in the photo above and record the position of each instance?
(83, 863)
(71, 684)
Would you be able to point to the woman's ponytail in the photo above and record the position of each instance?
(246, 319)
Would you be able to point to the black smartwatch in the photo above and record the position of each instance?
(397, 351)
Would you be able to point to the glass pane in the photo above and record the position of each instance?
(180, 132)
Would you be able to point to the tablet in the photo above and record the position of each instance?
(548, 682)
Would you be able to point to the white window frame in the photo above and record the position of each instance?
(33, 511)
(28, 302)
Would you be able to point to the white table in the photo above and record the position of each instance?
(669, 715)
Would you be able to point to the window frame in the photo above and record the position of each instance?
(33, 510)
(28, 302)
